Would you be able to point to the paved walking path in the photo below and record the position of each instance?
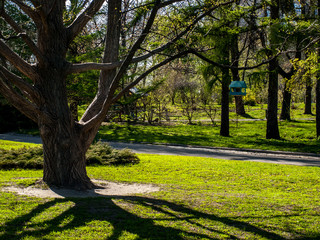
(300, 159)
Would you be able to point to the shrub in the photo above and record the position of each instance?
(103, 154)
(98, 154)
(30, 158)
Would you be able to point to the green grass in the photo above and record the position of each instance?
(297, 136)
(8, 145)
(200, 198)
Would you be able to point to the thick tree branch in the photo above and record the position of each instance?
(82, 67)
(146, 73)
(181, 34)
(24, 87)
(114, 84)
(35, 50)
(17, 61)
(136, 45)
(77, 68)
(204, 58)
(28, 10)
(108, 102)
(17, 100)
(75, 28)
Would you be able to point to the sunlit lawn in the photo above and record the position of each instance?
(7, 145)
(200, 198)
(298, 136)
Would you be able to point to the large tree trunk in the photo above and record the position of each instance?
(64, 157)
(285, 110)
(64, 144)
(74, 109)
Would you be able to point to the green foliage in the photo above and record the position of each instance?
(249, 99)
(32, 158)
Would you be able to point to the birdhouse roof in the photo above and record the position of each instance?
(238, 84)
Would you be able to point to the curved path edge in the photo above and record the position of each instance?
(278, 157)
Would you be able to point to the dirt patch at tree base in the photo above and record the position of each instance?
(107, 189)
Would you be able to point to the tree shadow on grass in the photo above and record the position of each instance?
(283, 145)
(144, 217)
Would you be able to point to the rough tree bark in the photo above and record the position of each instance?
(286, 104)
(64, 142)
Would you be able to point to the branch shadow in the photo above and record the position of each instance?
(136, 215)
(121, 212)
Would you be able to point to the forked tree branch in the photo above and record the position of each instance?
(77, 68)
(28, 90)
(136, 46)
(18, 101)
(107, 102)
(35, 50)
(28, 10)
(79, 23)
(204, 58)
(146, 73)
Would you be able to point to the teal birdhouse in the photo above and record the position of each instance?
(238, 88)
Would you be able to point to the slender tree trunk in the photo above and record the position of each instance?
(318, 106)
(239, 105)
(318, 89)
(235, 73)
(272, 111)
(308, 99)
(272, 114)
(286, 102)
(224, 129)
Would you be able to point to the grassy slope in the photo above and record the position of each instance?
(201, 198)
